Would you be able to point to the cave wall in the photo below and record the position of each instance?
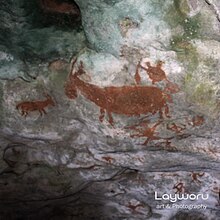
(102, 110)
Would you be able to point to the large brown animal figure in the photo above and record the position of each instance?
(125, 100)
(29, 106)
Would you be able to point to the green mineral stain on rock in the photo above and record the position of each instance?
(191, 27)
(182, 6)
(201, 92)
(188, 78)
(177, 13)
(126, 24)
(186, 52)
(188, 28)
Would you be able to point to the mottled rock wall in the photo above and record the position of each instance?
(110, 112)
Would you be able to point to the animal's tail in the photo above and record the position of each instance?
(18, 106)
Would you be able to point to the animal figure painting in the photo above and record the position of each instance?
(29, 106)
(132, 100)
(124, 100)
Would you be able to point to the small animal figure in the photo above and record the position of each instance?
(29, 106)
(148, 132)
(155, 73)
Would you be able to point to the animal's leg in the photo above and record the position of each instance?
(25, 114)
(161, 114)
(40, 112)
(110, 118)
(102, 114)
(155, 126)
(44, 111)
(137, 76)
(146, 142)
(167, 111)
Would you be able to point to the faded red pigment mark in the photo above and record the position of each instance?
(125, 100)
(53, 6)
(157, 74)
(179, 188)
(171, 88)
(195, 177)
(57, 65)
(137, 76)
(29, 106)
(172, 175)
(134, 207)
(197, 120)
(176, 128)
(108, 159)
(166, 144)
(145, 131)
(216, 190)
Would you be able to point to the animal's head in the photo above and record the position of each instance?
(73, 79)
(76, 71)
(160, 63)
(50, 101)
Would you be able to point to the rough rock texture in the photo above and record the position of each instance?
(133, 113)
(31, 36)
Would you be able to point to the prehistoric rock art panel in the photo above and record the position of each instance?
(125, 100)
(143, 130)
(134, 100)
(157, 74)
(29, 106)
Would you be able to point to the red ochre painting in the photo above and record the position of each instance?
(133, 100)
(29, 106)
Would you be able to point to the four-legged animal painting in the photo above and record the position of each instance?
(129, 100)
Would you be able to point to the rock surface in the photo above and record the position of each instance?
(134, 111)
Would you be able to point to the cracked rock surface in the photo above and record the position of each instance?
(101, 110)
